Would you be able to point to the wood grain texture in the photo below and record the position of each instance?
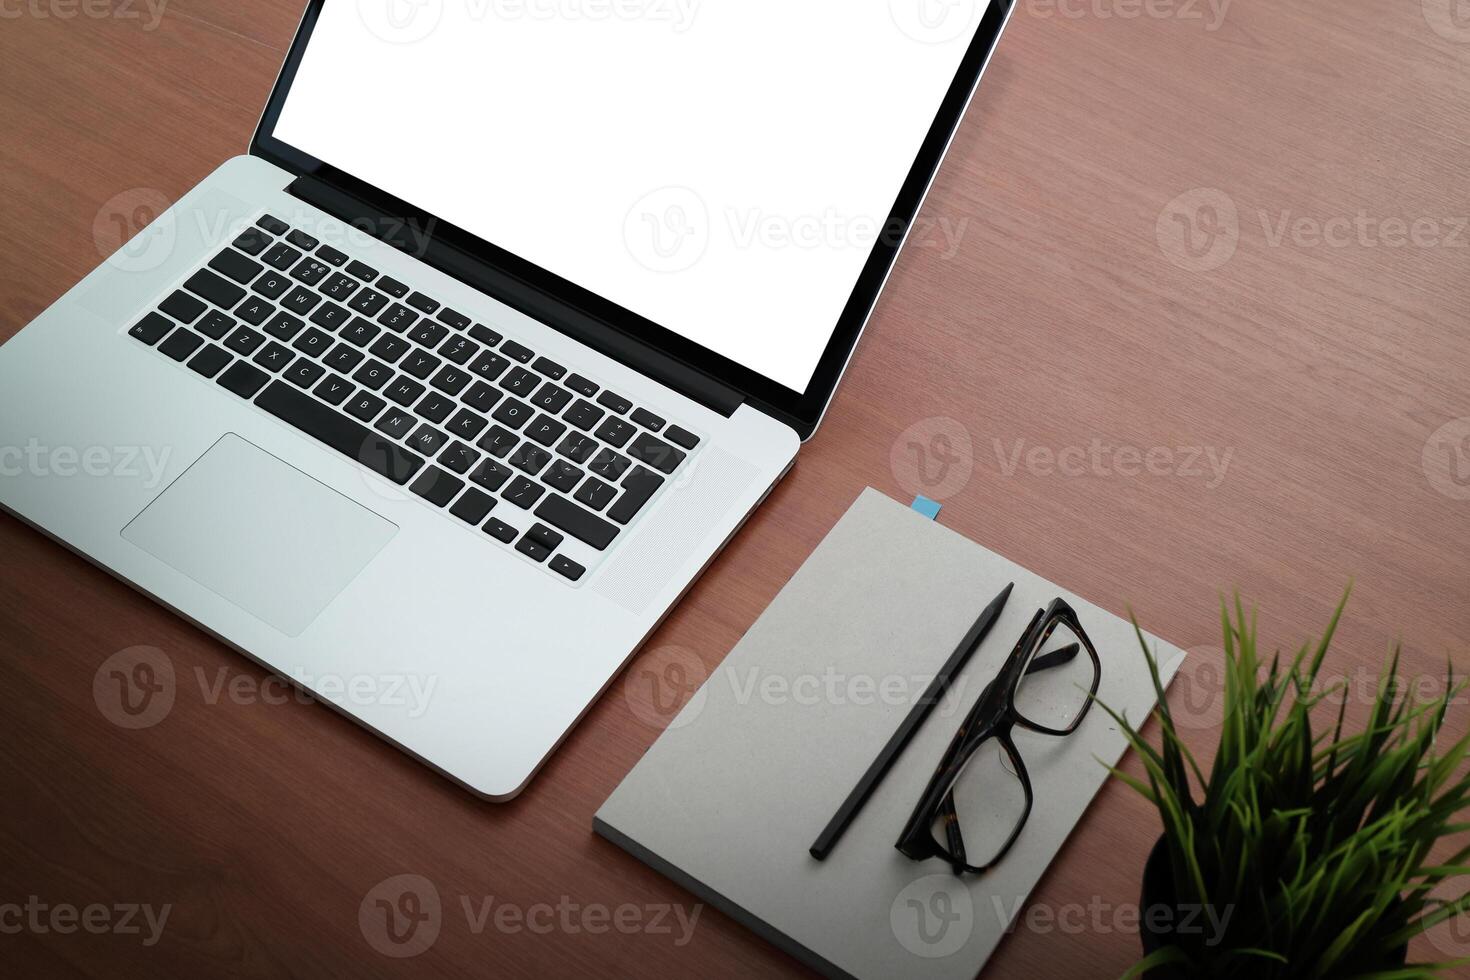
(1058, 319)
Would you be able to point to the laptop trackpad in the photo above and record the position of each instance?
(260, 533)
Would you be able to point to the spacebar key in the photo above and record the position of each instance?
(377, 452)
(580, 524)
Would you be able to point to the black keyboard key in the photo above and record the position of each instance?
(340, 287)
(301, 239)
(365, 406)
(682, 437)
(520, 382)
(655, 452)
(582, 386)
(561, 475)
(271, 285)
(437, 487)
(435, 407)
(373, 374)
(181, 343)
(638, 489)
(551, 398)
(359, 331)
(362, 270)
(523, 493)
(578, 447)
(215, 325)
(396, 423)
(545, 537)
(182, 307)
(489, 365)
(343, 358)
(238, 267)
(350, 438)
(274, 357)
(545, 430)
(584, 415)
(596, 494)
(303, 374)
(647, 419)
(398, 318)
(301, 301)
(451, 380)
(281, 256)
(485, 335)
(459, 349)
(615, 432)
(243, 379)
(389, 348)
(473, 507)
(550, 368)
(420, 364)
(459, 457)
(481, 397)
(491, 475)
(272, 224)
(334, 389)
(529, 459)
(284, 326)
(566, 568)
(614, 402)
(314, 342)
(516, 352)
(331, 316)
(393, 287)
(428, 333)
(577, 521)
(244, 341)
(610, 465)
(329, 254)
(254, 310)
(151, 329)
(454, 318)
(497, 442)
(404, 391)
(513, 413)
(428, 440)
(368, 302)
(532, 550)
(466, 424)
(310, 271)
(500, 531)
(209, 361)
(423, 303)
(252, 241)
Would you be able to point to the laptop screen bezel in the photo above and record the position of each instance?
(802, 410)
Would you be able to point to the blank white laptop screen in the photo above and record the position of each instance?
(720, 167)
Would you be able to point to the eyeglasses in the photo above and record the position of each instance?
(980, 798)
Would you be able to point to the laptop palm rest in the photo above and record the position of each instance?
(260, 534)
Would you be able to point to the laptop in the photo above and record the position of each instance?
(508, 319)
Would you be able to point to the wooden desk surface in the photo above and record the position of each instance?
(1322, 149)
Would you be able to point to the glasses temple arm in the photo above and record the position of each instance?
(1056, 658)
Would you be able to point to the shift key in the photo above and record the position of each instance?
(639, 486)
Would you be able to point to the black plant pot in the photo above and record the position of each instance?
(1158, 890)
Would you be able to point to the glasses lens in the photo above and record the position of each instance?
(989, 804)
(1053, 691)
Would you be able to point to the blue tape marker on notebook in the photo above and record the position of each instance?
(929, 508)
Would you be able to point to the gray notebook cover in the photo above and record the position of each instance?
(728, 800)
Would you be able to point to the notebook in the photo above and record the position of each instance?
(729, 799)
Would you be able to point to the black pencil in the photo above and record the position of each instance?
(937, 688)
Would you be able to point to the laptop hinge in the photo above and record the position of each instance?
(411, 236)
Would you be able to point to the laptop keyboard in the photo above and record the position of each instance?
(469, 420)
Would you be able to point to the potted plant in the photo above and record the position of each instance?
(1308, 850)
